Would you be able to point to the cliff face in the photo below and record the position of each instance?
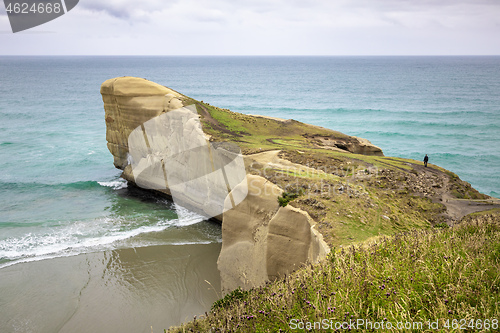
(159, 143)
(157, 139)
(262, 240)
(284, 191)
(128, 103)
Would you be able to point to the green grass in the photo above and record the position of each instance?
(255, 134)
(258, 133)
(354, 219)
(235, 295)
(444, 276)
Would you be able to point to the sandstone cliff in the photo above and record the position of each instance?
(284, 191)
(262, 240)
(157, 139)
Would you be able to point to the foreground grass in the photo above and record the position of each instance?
(424, 279)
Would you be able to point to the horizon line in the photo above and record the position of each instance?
(249, 55)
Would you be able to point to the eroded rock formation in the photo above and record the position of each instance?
(163, 147)
(128, 103)
(167, 142)
(265, 240)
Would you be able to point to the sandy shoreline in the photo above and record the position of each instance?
(129, 290)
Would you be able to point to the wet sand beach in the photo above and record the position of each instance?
(130, 290)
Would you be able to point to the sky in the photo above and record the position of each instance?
(263, 27)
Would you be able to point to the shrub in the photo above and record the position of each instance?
(286, 197)
(232, 297)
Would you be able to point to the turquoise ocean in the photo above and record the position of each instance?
(60, 194)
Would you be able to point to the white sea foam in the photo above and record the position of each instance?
(187, 217)
(115, 184)
(89, 236)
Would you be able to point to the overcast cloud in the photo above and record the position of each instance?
(307, 27)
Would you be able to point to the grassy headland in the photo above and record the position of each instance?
(352, 197)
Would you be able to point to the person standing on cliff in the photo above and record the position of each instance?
(426, 159)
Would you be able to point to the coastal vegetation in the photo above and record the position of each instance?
(445, 278)
(404, 249)
(351, 197)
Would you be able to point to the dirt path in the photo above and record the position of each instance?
(456, 208)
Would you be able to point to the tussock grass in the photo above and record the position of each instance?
(415, 276)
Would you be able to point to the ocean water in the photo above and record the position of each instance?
(60, 194)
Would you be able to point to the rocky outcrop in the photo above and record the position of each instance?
(350, 144)
(160, 145)
(170, 143)
(128, 103)
(262, 241)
